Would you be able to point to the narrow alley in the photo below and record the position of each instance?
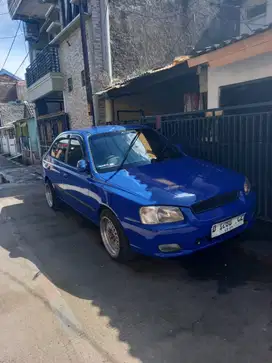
(64, 300)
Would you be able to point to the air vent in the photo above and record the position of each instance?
(215, 202)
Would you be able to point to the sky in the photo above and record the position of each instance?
(19, 50)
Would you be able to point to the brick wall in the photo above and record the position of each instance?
(8, 92)
(7, 89)
(71, 65)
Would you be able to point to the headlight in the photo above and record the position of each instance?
(247, 186)
(158, 215)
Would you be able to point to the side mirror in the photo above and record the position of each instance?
(82, 166)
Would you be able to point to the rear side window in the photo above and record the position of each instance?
(75, 152)
(59, 149)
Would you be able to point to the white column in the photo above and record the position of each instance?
(108, 110)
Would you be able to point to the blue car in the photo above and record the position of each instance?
(144, 193)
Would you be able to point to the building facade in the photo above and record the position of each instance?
(18, 128)
(255, 14)
(120, 45)
(12, 88)
(9, 112)
(55, 77)
(239, 72)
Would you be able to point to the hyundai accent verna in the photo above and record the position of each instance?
(146, 195)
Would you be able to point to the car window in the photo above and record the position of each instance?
(59, 149)
(109, 149)
(75, 153)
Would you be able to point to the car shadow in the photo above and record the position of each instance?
(160, 308)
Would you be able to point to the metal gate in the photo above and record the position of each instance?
(242, 142)
(49, 127)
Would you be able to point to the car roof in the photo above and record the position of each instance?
(95, 130)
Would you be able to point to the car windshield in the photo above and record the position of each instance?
(109, 149)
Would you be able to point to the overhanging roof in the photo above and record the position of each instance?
(153, 76)
(4, 72)
(7, 126)
(234, 49)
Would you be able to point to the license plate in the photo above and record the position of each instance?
(227, 226)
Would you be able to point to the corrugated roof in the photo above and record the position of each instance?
(4, 72)
(126, 82)
(227, 42)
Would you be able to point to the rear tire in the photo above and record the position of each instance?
(50, 195)
(114, 239)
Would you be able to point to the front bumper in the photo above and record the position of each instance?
(191, 235)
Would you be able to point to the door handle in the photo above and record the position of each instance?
(65, 175)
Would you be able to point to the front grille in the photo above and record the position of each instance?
(214, 202)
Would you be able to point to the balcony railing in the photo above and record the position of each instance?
(46, 62)
(27, 9)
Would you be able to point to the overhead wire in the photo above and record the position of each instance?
(9, 37)
(21, 64)
(27, 53)
(106, 11)
(11, 46)
(22, 27)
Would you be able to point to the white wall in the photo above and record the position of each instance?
(238, 72)
(258, 21)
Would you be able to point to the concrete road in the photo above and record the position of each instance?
(63, 300)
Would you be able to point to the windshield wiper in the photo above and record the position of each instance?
(126, 155)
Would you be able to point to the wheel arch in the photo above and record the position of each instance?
(106, 207)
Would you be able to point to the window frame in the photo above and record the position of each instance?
(81, 142)
(252, 8)
(66, 153)
(118, 132)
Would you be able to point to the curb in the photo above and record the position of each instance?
(8, 170)
(6, 179)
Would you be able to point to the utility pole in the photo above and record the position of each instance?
(89, 91)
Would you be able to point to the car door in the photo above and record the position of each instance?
(77, 185)
(55, 163)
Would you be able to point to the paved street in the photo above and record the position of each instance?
(14, 172)
(63, 300)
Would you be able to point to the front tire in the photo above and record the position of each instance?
(113, 238)
(50, 195)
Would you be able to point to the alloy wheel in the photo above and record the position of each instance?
(110, 236)
(49, 195)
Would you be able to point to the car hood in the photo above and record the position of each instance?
(180, 182)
